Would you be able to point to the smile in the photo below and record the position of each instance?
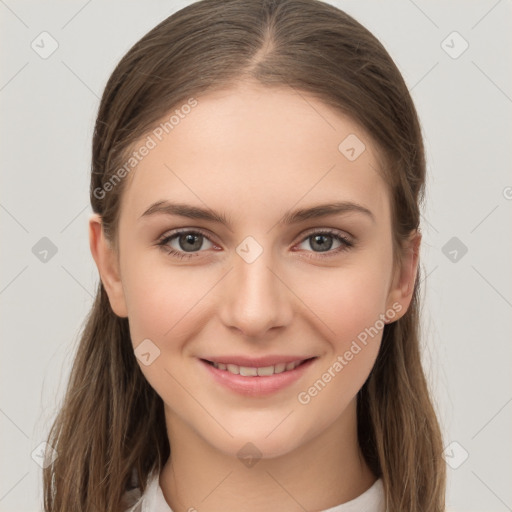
(263, 371)
(256, 377)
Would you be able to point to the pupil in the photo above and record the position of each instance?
(189, 242)
(322, 245)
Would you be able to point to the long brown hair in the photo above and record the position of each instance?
(111, 421)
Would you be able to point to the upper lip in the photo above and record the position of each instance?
(256, 362)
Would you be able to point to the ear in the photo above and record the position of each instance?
(402, 288)
(108, 266)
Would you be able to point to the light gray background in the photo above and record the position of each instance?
(48, 109)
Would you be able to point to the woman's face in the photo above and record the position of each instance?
(281, 281)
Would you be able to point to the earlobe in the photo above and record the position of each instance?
(106, 261)
(403, 287)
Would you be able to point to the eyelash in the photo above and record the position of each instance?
(346, 244)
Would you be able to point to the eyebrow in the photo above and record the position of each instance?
(289, 218)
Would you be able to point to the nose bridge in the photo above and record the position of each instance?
(257, 300)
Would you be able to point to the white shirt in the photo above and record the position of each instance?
(372, 500)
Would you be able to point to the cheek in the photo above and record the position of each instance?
(348, 300)
(164, 306)
(351, 306)
(163, 303)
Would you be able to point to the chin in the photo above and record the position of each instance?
(262, 444)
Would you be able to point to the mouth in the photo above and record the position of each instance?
(257, 370)
(256, 377)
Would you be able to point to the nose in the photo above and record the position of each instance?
(255, 298)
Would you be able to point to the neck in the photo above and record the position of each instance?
(324, 472)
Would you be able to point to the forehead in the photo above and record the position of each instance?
(258, 151)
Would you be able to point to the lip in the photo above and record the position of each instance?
(258, 385)
(256, 362)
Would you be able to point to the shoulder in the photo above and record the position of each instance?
(372, 500)
(132, 498)
(151, 500)
(132, 501)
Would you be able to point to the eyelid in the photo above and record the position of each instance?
(179, 231)
(209, 235)
(330, 231)
(348, 239)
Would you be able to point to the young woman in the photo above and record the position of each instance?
(257, 174)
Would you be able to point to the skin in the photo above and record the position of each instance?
(254, 153)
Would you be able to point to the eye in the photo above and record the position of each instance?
(323, 241)
(186, 243)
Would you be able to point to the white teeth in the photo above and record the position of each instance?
(265, 371)
(248, 372)
(280, 368)
(233, 368)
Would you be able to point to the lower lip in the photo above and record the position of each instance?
(260, 385)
